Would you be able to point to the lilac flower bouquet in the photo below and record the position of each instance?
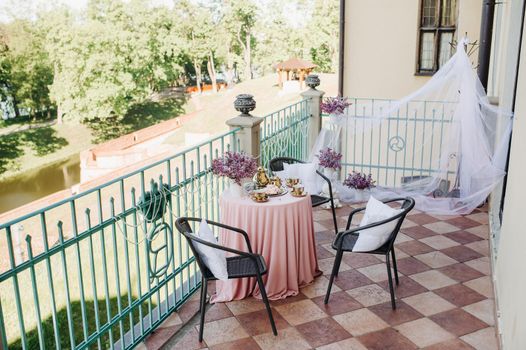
(359, 181)
(330, 159)
(235, 165)
(334, 105)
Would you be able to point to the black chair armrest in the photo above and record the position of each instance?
(349, 220)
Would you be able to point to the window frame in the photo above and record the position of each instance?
(437, 29)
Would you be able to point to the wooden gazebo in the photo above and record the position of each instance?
(295, 65)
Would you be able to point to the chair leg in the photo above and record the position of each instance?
(390, 277)
(334, 273)
(395, 267)
(202, 309)
(203, 282)
(334, 218)
(267, 305)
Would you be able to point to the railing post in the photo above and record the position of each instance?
(314, 96)
(249, 135)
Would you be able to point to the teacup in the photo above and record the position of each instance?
(298, 190)
(259, 196)
(292, 182)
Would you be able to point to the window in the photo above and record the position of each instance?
(436, 31)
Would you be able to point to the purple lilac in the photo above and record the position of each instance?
(359, 181)
(330, 159)
(334, 105)
(235, 166)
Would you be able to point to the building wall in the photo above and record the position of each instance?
(381, 45)
(509, 271)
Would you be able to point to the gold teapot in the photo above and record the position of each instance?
(261, 178)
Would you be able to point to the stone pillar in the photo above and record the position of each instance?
(249, 134)
(315, 96)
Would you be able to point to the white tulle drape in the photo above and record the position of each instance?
(464, 137)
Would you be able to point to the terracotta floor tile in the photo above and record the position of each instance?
(386, 339)
(222, 331)
(288, 300)
(424, 332)
(439, 242)
(324, 237)
(428, 303)
(322, 332)
(347, 344)
(441, 227)
(160, 337)
(481, 264)
(258, 322)
(371, 294)
(238, 307)
(460, 272)
(217, 311)
(319, 287)
(458, 322)
(409, 266)
(433, 279)
(418, 232)
(359, 260)
(190, 341)
(436, 259)
(414, 247)
(401, 238)
(463, 222)
(287, 339)
(360, 321)
(320, 214)
(173, 320)
(408, 223)
(482, 286)
(459, 295)
(455, 344)
(403, 313)
(339, 303)
(318, 227)
(484, 310)
(326, 265)
(463, 237)
(481, 247)
(482, 231)
(484, 339)
(323, 253)
(422, 219)
(241, 344)
(481, 218)
(376, 273)
(461, 253)
(300, 312)
(406, 288)
(351, 279)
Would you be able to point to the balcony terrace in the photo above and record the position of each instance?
(102, 269)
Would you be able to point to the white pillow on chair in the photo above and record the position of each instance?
(213, 258)
(374, 237)
(306, 172)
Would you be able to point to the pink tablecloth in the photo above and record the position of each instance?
(282, 230)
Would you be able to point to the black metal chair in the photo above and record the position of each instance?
(276, 164)
(346, 240)
(244, 264)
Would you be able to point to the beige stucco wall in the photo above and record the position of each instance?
(510, 268)
(381, 43)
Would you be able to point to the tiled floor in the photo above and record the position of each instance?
(444, 300)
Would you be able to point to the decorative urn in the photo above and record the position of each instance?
(312, 81)
(245, 104)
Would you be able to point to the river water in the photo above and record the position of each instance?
(38, 183)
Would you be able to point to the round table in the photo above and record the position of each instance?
(282, 231)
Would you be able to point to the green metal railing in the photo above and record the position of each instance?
(102, 269)
(405, 146)
(284, 133)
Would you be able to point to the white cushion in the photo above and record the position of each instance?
(306, 172)
(373, 238)
(213, 258)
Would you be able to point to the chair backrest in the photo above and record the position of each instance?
(183, 226)
(406, 206)
(276, 164)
